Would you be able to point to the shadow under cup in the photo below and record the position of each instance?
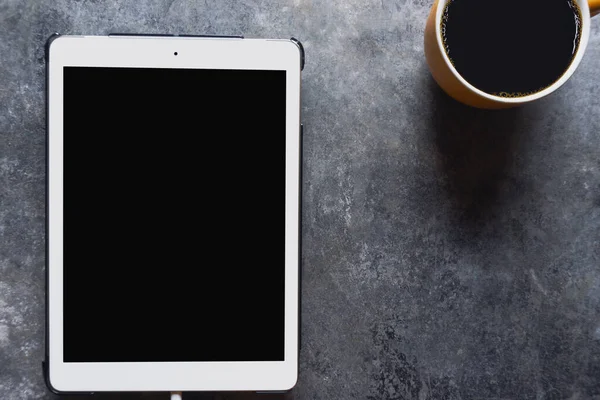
(484, 66)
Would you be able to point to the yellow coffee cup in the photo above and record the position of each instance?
(457, 87)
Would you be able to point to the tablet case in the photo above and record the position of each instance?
(55, 35)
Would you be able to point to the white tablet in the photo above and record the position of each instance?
(173, 213)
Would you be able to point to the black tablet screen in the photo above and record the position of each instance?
(174, 200)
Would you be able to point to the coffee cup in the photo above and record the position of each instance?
(467, 67)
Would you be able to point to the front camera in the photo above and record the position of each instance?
(175, 53)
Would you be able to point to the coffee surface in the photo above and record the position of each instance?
(511, 48)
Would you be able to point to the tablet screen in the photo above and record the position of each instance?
(174, 214)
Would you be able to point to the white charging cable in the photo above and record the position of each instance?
(175, 395)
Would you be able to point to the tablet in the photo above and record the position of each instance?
(173, 213)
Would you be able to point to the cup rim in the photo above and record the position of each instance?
(585, 23)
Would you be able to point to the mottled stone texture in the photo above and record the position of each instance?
(449, 253)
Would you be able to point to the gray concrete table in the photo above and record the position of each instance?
(449, 253)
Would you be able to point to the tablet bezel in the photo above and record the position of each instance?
(159, 52)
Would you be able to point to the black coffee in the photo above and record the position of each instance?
(511, 48)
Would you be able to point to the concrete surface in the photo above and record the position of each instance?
(449, 253)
